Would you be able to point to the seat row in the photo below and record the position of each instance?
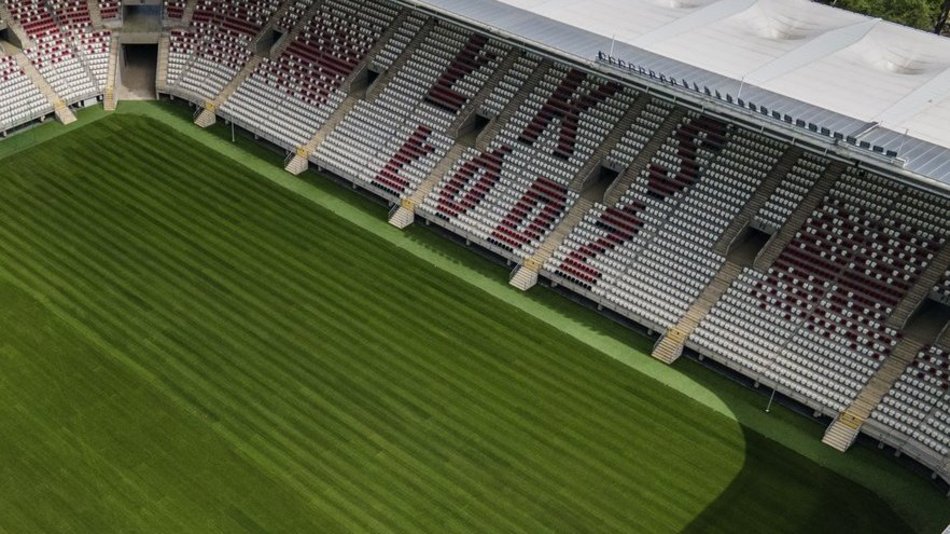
(917, 408)
(64, 48)
(393, 143)
(22, 100)
(289, 98)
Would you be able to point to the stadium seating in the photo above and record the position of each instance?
(294, 12)
(91, 45)
(650, 255)
(394, 142)
(54, 53)
(395, 46)
(289, 98)
(110, 10)
(916, 411)
(173, 10)
(510, 196)
(797, 183)
(815, 321)
(208, 55)
(22, 101)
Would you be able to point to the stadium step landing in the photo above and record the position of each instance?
(95, 16)
(403, 215)
(842, 432)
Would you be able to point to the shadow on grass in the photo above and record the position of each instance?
(785, 492)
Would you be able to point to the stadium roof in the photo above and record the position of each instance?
(863, 78)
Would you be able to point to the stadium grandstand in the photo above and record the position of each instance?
(763, 185)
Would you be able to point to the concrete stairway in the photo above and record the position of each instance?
(189, 12)
(271, 23)
(300, 161)
(161, 73)
(670, 347)
(784, 236)
(407, 54)
(921, 288)
(943, 339)
(610, 141)
(207, 116)
(13, 26)
(759, 198)
(481, 142)
(526, 275)
(109, 98)
(362, 69)
(845, 428)
(467, 115)
(622, 182)
(842, 432)
(406, 213)
(94, 15)
(292, 33)
(60, 109)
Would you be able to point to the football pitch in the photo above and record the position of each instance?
(185, 346)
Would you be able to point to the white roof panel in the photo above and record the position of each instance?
(840, 70)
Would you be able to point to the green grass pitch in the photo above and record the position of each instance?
(186, 347)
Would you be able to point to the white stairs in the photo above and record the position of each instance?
(403, 215)
(525, 275)
(299, 163)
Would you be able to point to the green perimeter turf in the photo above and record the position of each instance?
(229, 323)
